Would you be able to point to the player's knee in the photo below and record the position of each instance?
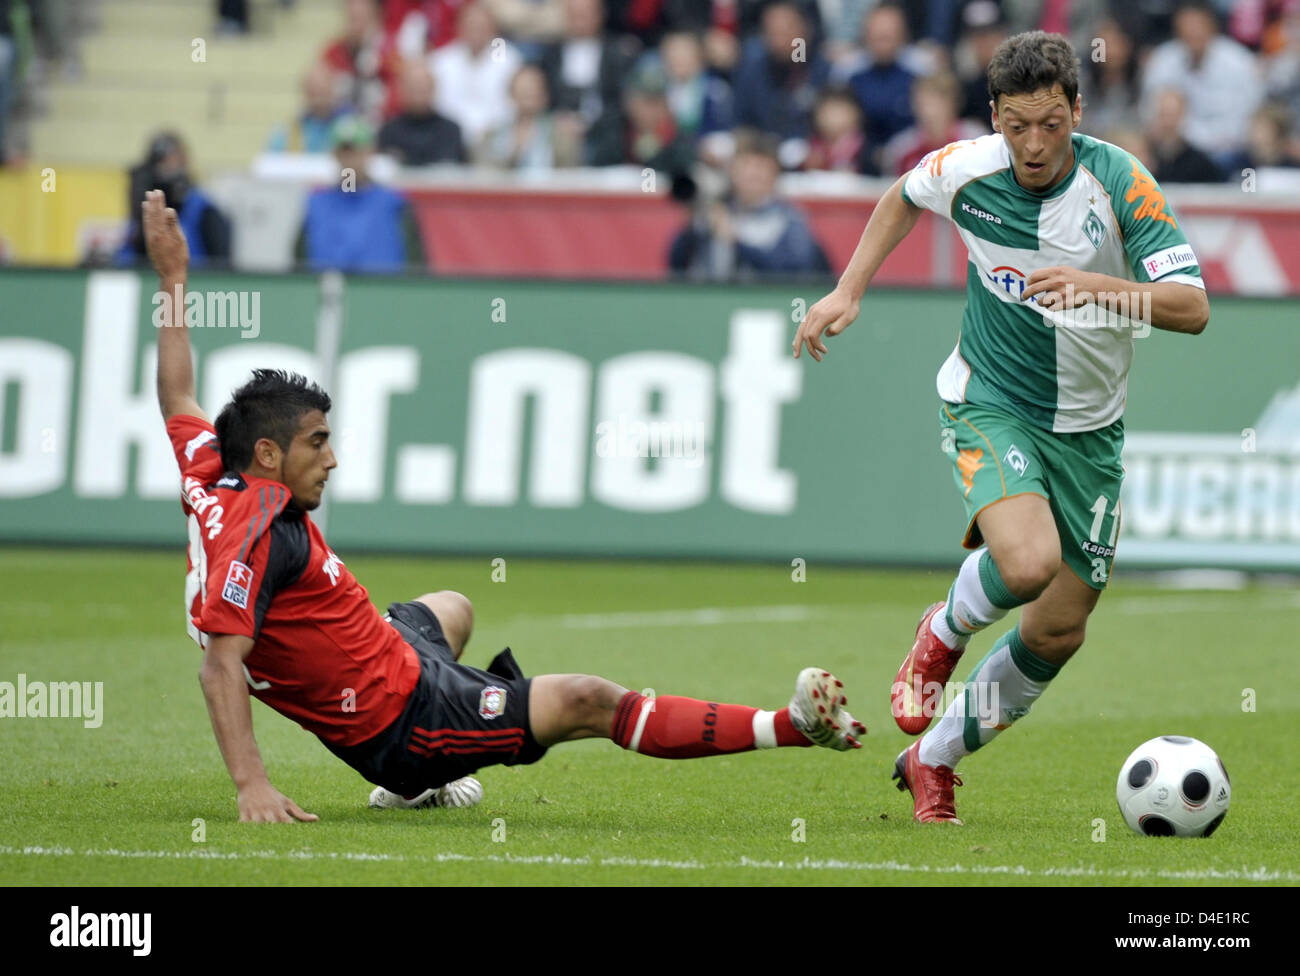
(1028, 571)
(455, 614)
(590, 701)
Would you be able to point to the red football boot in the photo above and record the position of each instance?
(918, 687)
(931, 787)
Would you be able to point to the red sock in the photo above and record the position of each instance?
(672, 727)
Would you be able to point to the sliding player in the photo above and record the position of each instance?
(1073, 252)
(280, 617)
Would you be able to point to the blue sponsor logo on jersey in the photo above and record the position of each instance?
(1008, 279)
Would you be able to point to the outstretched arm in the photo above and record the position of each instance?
(170, 256)
(891, 221)
(226, 691)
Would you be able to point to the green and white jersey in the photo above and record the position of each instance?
(1064, 371)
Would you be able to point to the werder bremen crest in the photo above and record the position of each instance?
(1095, 229)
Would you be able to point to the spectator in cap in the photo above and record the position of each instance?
(358, 225)
(654, 139)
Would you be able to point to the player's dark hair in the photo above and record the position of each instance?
(1029, 62)
(270, 405)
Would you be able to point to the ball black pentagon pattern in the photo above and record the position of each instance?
(1141, 773)
(1154, 826)
(1214, 824)
(1195, 787)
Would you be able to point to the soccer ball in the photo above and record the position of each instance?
(1173, 786)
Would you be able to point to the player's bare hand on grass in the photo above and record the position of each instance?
(830, 316)
(263, 803)
(1058, 284)
(163, 238)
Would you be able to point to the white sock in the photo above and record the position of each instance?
(1000, 691)
(976, 599)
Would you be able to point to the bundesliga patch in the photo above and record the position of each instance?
(1016, 459)
(492, 702)
(238, 581)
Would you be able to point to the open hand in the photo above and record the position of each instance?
(263, 803)
(831, 316)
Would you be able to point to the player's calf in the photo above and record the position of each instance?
(566, 707)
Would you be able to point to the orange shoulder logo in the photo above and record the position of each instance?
(936, 160)
(1153, 201)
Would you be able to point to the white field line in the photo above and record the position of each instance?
(698, 617)
(1260, 874)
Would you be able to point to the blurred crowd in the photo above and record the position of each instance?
(724, 95)
(865, 86)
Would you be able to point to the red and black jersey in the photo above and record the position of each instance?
(259, 567)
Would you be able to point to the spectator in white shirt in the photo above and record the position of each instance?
(1219, 77)
(473, 74)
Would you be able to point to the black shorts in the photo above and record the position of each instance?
(458, 719)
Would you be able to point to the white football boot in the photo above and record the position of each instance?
(817, 710)
(463, 792)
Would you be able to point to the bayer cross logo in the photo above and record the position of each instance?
(1015, 459)
(492, 702)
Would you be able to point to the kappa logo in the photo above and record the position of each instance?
(1016, 459)
(1152, 206)
(239, 578)
(968, 462)
(492, 702)
(981, 214)
(934, 161)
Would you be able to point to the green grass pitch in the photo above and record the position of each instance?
(118, 804)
